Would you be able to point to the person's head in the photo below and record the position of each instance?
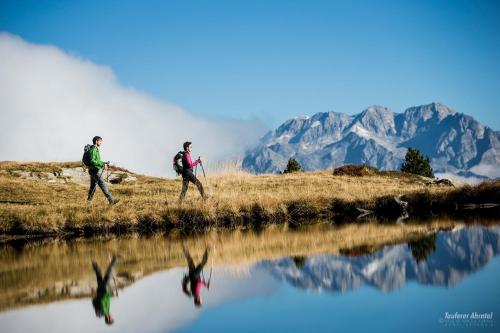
(97, 140)
(108, 319)
(198, 301)
(187, 146)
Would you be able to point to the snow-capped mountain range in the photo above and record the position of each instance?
(456, 143)
(457, 254)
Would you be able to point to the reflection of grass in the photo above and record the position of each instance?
(423, 247)
(237, 199)
(56, 269)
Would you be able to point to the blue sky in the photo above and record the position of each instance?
(274, 60)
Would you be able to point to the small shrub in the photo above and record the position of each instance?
(299, 261)
(292, 166)
(417, 163)
(423, 247)
(355, 170)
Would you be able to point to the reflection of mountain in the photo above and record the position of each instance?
(457, 254)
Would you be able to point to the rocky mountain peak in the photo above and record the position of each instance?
(456, 143)
(429, 111)
(376, 119)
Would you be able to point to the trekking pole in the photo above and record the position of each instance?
(102, 171)
(195, 169)
(204, 175)
(203, 169)
(107, 174)
(210, 277)
(116, 289)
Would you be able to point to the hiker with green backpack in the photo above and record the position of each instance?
(104, 292)
(92, 159)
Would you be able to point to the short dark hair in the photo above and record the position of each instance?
(94, 140)
(108, 320)
(186, 145)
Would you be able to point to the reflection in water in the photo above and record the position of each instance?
(102, 299)
(299, 261)
(150, 301)
(195, 277)
(423, 247)
(46, 271)
(435, 260)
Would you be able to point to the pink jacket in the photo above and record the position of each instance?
(197, 290)
(188, 163)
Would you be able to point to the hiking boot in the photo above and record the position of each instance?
(114, 201)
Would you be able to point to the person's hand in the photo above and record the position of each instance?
(106, 166)
(199, 159)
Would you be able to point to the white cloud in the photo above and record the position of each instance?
(53, 103)
(485, 169)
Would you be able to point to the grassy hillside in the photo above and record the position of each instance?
(36, 199)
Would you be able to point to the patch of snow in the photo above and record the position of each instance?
(283, 138)
(390, 256)
(315, 124)
(304, 146)
(384, 142)
(326, 140)
(443, 111)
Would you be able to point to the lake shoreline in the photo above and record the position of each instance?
(35, 208)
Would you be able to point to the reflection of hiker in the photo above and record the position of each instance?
(102, 300)
(194, 278)
(92, 159)
(187, 172)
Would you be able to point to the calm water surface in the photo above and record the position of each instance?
(423, 285)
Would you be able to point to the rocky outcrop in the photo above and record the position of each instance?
(77, 175)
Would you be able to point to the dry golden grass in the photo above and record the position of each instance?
(37, 207)
(58, 269)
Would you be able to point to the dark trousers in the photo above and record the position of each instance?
(188, 176)
(103, 282)
(97, 179)
(195, 271)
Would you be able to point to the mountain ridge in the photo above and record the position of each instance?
(456, 143)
